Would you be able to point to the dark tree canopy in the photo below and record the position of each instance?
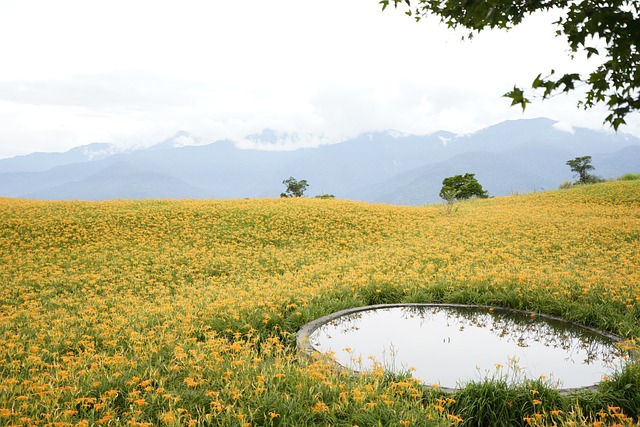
(461, 187)
(295, 188)
(581, 166)
(613, 25)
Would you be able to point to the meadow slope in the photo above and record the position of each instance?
(164, 312)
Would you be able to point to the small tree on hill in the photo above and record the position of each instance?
(295, 188)
(581, 166)
(461, 187)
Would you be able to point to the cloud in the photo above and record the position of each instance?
(136, 73)
(565, 127)
(110, 92)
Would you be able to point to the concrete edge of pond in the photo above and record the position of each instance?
(303, 334)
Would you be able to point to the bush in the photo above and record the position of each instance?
(630, 177)
(592, 179)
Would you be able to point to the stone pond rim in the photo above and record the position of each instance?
(305, 332)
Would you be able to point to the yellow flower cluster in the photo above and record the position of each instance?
(162, 312)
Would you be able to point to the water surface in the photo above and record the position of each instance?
(449, 346)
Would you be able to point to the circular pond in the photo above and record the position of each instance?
(450, 345)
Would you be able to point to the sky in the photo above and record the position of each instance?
(133, 73)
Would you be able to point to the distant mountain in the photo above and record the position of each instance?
(37, 162)
(388, 167)
(121, 180)
(500, 174)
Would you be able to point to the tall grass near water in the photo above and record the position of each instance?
(162, 312)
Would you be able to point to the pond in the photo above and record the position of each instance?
(451, 345)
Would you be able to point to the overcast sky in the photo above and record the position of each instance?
(136, 72)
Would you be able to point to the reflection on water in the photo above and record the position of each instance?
(452, 345)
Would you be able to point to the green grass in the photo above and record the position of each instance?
(630, 177)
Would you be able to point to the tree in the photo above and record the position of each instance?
(295, 188)
(582, 166)
(612, 25)
(461, 187)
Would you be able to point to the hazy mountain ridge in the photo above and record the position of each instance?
(390, 167)
(39, 162)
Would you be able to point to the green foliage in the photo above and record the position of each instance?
(565, 185)
(497, 402)
(448, 196)
(612, 26)
(622, 390)
(461, 187)
(325, 196)
(295, 188)
(630, 177)
(581, 166)
(382, 293)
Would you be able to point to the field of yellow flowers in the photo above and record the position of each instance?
(164, 312)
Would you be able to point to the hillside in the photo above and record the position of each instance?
(171, 312)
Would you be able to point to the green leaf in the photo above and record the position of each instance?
(517, 97)
(568, 81)
(591, 51)
(617, 122)
(538, 82)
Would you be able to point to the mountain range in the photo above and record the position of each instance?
(388, 167)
